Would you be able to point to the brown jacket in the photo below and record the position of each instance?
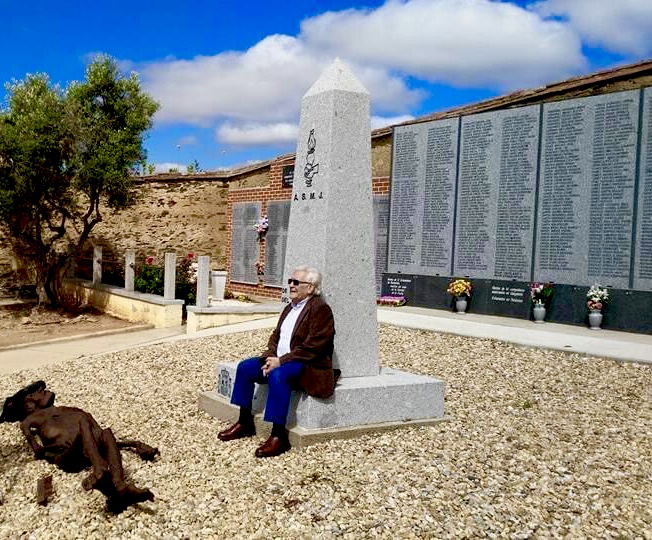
(311, 344)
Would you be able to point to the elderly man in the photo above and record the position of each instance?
(298, 356)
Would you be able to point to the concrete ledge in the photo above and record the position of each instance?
(227, 312)
(131, 306)
(390, 400)
(111, 332)
(215, 405)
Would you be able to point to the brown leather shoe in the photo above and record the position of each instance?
(236, 431)
(274, 446)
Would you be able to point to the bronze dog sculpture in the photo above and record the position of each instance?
(71, 439)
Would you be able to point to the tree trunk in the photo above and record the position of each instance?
(54, 284)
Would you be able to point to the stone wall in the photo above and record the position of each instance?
(174, 215)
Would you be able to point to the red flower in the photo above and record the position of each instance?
(191, 256)
(149, 260)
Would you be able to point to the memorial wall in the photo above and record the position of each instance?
(423, 198)
(643, 255)
(244, 242)
(278, 214)
(245, 246)
(586, 194)
(381, 229)
(559, 192)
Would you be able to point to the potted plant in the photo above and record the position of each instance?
(541, 294)
(597, 300)
(460, 289)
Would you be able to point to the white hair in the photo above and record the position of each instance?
(313, 276)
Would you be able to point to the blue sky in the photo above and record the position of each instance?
(229, 75)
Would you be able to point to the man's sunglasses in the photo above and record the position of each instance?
(296, 282)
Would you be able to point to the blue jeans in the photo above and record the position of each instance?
(281, 382)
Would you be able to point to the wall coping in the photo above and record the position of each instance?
(119, 291)
(232, 308)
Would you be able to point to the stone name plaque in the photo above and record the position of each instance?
(643, 251)
(586, 193)
(278, 214)
(496, 194)
(244, 243)
(422, 193)
(381, 228)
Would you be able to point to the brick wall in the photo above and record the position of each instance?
(273, 190)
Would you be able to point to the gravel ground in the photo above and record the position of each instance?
(543, 444)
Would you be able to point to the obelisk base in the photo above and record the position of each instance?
(360, 405)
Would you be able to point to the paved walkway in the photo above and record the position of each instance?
(606, 343)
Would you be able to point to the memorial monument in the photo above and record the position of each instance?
(332, 228)
(557, 191)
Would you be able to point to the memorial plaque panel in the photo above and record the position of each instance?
(278, 213)
(381, 228)
(244, 243)
(643, 249)
(586, 193)
(508, 298)
(288, 176)
(496, 193)
(423, 187)
(398, 285)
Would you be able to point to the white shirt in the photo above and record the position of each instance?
(288, 327)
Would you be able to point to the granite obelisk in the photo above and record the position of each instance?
(331, 229)
(331, 216)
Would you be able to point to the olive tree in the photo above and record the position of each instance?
(66, 154)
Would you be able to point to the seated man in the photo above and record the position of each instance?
(298, 356)
(71, 439)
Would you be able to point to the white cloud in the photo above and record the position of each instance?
(264, 84)
(254, 96)
(384, 121)
(462, 42)
(623, 26)
(187, 140)
(257, 134)
(166, 167)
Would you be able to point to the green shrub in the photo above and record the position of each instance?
(186, 281)
(149, 279)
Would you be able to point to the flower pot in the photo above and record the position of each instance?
(595, 320)
(218, 278)
(461, 304)
(539, 312)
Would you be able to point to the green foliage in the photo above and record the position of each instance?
(194, 168)
(230, 295)
(149, 279)
(64, 155)
(186, 282)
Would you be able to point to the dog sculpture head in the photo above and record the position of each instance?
(24, 402)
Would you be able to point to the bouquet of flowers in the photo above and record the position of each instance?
(541, 293)
(262, 225)
(597, 297)
(391, 300)
(459, 287)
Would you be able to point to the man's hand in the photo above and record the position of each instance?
(270, 365)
